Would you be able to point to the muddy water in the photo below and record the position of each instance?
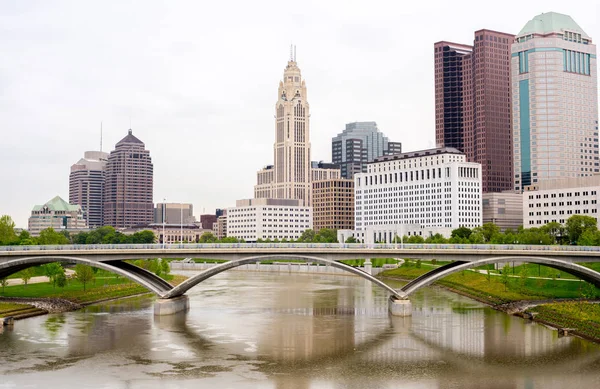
(257, 330)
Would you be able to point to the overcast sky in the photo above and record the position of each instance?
(198, 81)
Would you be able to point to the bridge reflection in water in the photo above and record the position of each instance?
(315, 329)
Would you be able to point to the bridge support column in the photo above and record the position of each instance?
(170, 306)
(400, 307)
(368, 267)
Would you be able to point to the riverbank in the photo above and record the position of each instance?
(561, 304)
(23, 301)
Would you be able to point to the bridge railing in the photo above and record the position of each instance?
(387, 246)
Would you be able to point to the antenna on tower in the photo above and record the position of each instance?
(100, 136)
(294, 53)
(291, 52)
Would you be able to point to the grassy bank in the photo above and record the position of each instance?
(104, 288)
(525, 285)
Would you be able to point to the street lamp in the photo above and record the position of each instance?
(163, 217)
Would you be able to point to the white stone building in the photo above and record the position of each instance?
(56, 214)
(418, 193)
(254, 219)
(557, 200)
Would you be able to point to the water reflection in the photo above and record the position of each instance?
(296, 331)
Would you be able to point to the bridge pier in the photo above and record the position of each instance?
(368, 266)
(400, 307)
(170, 306)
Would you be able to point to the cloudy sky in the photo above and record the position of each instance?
(198, 81)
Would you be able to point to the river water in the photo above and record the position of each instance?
(296, 331)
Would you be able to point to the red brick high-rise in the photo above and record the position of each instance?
(129, 184)
(473, 104)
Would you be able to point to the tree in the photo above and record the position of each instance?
(26, 275)
(461, 232)
(307, 236)
(489, 230)
(415, 239)
(523, 276)
(3, 283)
(51, 237)
(7, 230)
(577, 224)
(84, 274)
(589, 238)
(326, 235)
(52, 270)
(166, 269)
(207, 237)
(351, 239)
(555, 230)
(231, 239)
(505, 275)
(145, 236)
(61, 280)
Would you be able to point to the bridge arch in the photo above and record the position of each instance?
(579, 271)
(136, 274)
(208, 273)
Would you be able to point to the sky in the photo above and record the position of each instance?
(197, 82)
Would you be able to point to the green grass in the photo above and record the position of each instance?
(9, 307)
(583, 316)
(104, 288)
(493, 291)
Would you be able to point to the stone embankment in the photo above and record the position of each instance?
(51, 305)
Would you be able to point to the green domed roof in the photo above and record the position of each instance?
(551, 22)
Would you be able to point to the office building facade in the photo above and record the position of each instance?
(418, 193)
(56, 214)
(129, 185)
(333, 204)
(473, 104)
(555, 101)
(86, 186)
(174, 213)
(503, 209)
(358, 144)
(280, 219)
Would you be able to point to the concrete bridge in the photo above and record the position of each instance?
(172, 299)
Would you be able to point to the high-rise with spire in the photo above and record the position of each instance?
(291, 174)
(129, 184)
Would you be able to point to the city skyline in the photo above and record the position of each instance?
(182, 106)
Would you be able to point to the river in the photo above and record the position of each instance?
(296, 331)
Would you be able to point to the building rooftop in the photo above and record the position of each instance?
(549, 22)
(130, 139)
(420, 153)
(57, 204)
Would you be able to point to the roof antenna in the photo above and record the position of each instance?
(294, 53)
(100, 136)
(291, 52)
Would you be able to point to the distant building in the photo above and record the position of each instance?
(207, 221)
(358, 144)
(503, 209)
(129, 184)
(86, 186)
(56, 214)
(555, 102)
(473, 104)
(220, 227)
(255, 219)
(557, 200)
(333, 204)
(174, 213)
(324, 171)
(418, 193)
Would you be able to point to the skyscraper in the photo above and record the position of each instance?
(359, 143)
(473, 111)
(86, 186)
(291, 175)
(129, 184)
(555, 94)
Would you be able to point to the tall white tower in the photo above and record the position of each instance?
(290, 175)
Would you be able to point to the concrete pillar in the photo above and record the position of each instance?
(171, 306)
(368, 267)
(7, 321)
(400, 307)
